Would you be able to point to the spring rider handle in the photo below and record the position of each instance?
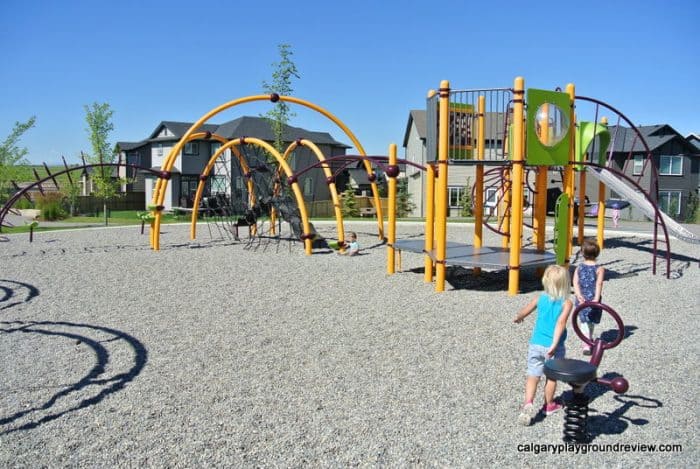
(579, 373)
(598, 346)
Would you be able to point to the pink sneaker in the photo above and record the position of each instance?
(551, 408)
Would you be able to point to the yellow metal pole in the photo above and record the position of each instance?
(441, 197)
(540, 202)
(479, 184)
(601, 204)
(581, 204)
(518, 170)
(429, 222)
(505, 207)
(392, 172)
(569, 172)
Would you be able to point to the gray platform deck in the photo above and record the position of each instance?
(486, 256)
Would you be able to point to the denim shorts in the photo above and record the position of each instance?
(536, 356)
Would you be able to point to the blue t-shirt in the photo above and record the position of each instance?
(548, 312)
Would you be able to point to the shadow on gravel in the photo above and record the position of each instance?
(611, 334)
(462, 278)
(15, 293)
(616, 422)
(95, 382)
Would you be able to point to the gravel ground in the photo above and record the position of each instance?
(215, 353)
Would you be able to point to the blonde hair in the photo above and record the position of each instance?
(556, 282)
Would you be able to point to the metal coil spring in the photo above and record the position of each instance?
(575, 420)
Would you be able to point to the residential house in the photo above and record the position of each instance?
(461, 154)
(152, 151)
(676, 160)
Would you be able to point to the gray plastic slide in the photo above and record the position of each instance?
(638, 200)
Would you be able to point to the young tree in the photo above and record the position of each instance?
(465, 202)
(99, 121)
(349, 208)
(12, 156)
(281, 84)
(404, 205)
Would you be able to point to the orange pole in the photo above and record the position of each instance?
(540, 202)
(569, 172)
(429, 222)
(391, 260)
(581, 204)
(479, 184)
(441, 197)
(518, 171)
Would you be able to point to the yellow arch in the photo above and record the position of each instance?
(161, 184)
(202, 181)
(287, 170)
(331, 184)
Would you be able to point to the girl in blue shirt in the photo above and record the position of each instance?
(548, 336)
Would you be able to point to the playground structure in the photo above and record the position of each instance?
(579, 373)
(539, 132)
(300, 220)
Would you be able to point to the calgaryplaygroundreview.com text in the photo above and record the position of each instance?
(537, 448)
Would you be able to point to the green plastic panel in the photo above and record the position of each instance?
(551, 149)
(586, 132)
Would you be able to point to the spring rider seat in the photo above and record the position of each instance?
(579, 373)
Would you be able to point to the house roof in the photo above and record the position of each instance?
(694, 140)
(417, 116)
(625, 139)
(246, 126)
(178, 129)
(127, 146)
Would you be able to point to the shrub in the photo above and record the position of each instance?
(51, 206)
(23, 203)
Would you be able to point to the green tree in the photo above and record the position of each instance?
(12, 156)
(284, 71)
(465, 202)
(349, 208)
(99, 120)
(691, 208)
(404, 205)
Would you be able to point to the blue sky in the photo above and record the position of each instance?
(367, 62)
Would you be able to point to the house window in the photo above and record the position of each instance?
(191, 148)
(159, 149)
(214, 147)
(218, 184)
(491, 197)
(671, 165)
(455, 195)
(308, 187)
(670, 202)
(638, 165)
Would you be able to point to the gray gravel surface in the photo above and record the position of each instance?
(223, 354)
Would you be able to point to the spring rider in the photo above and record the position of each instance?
(579, 373)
